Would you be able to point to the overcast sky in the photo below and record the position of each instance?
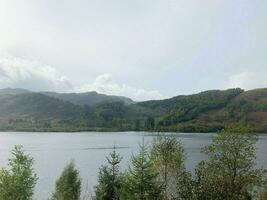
(144, 49)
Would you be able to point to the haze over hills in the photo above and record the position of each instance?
(207, 111)
(88, 98)
(7, 91)
(36, 106)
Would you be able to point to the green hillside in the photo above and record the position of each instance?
(36, 106)
(88, 98)
(207, 111)
(34, 111)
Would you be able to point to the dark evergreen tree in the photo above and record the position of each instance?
(137, 125)
(110, 179)
(142, 181)
(150, 123)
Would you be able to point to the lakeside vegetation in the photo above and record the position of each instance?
(156, 172)
(208, 111)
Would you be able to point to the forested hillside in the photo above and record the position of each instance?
(207, 111)
(88, 98)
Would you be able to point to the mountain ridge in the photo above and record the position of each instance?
(81, 99)
(207, 111)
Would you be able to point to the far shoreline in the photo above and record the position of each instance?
(112, 131)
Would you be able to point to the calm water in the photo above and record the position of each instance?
(52, 151)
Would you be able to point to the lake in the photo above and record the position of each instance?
(52, 151)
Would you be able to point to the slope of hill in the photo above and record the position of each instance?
(35, 112)
(36, 106)
(81, 99)
(181, 111)
(207, 111)
(88, 98)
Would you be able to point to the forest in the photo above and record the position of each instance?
(208, 111)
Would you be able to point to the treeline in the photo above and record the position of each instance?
(156, 172)
(208, 111)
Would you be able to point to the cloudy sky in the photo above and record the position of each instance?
(144, 49)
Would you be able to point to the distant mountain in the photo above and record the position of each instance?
(13, 91)
(207, 111)
(88, 98)
(36, 106)
(81, 99)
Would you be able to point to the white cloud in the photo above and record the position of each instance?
(247, 80)
(187, 46)
(32, 75)
(22, 73)
(107, 85)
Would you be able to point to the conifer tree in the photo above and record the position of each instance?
(110, 179)
(142, 182)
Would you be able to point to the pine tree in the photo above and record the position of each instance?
(142, 182)
(68, 186)
(110, 179)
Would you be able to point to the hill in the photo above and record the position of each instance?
(34, 111)
(207, 111)
(36, 106)
(13, 91)
(88, 98)
(81, 99)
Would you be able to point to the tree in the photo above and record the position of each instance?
(264, 194)
(142, 182)
(137, 125)
(19, 181)
(68, 186)
(168, 158)
(150, 123)
(230, 172)
(110, 179)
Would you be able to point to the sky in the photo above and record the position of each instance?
(143, 49)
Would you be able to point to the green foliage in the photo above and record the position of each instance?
(168, 158)
(208, 111)
(156, 173)
(230, 172)
(110, 179)
(68, 186)
(137, 126)
(89, 98)
(142, 182)
(150, 123)
(264, 194)
(184, 108)
(18, 181)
